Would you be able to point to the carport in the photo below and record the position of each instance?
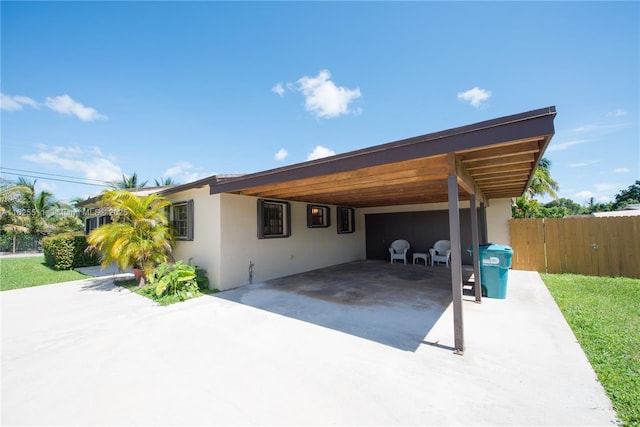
(479, 162)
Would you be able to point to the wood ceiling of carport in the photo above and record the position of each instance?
(493, 159)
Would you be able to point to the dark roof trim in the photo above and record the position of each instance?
(529, 125)
(199, 183)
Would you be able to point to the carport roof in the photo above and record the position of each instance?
(492, 159)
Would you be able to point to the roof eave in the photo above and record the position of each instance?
(532, 123)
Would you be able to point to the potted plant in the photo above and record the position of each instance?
(138, 237)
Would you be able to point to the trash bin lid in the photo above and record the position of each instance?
(496, 247)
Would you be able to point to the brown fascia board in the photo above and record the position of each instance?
(199, 183)
(535, 123)
(543, 148)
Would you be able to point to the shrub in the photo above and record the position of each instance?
(67, 251)
(178, 279)
(202, 279)
(82, 257)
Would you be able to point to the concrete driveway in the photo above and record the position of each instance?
(288, 353)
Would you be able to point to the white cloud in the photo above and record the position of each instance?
(177, 169)
(564, 145)
(583, 196)
(604, 187)
(281, 155)
(66, 105)
(46, 186)
(278, 88)
(600, 128)
(62, 104)
(90, 163)
(183, 172)
(320, 152)
(475, 96)
(15, 103)
(323, 98)
(621, 170)
(601, 193)
(583, 164)
(617, 113)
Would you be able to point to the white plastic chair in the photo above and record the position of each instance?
(398, 250)
(441, 252)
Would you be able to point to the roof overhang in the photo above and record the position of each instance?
(491, 159)
(138, 191)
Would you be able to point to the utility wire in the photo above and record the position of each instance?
(55, 179)
(55, 174)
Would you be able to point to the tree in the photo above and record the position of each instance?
(525, 207)
(563, 205)
(139, 235)
(129, 182)
(627, 197)
(542, 184)
(32, 209)
(164, 181)
(592, 206)
(11, 223)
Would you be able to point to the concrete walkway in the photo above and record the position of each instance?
(87, 353)
(97, 271)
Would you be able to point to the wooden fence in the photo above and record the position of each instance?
(605, 246)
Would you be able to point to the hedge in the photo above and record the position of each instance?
(67, 251)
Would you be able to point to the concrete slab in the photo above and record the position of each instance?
(89, 353)
(98, 271)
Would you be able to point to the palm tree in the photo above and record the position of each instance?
(33, 208)
(129, 182)
(542, 183)
(11, 223)
(164, 181)
(139, 235)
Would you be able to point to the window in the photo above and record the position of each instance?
(90, 224)
(183, 220)
(104, 219)
(346, 220)
(318, 216)
(273, 219)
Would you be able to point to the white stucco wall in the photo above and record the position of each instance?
(226, 242)
(306, 249)
(498, 216)
(204, 249)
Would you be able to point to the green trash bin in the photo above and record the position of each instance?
(495, 261)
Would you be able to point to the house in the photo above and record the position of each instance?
(95, 215)
(255, 227)
(628, 210)
(456, 184)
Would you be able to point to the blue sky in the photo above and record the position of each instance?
(94, 90)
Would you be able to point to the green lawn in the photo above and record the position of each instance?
(604, 314)
(16, 273)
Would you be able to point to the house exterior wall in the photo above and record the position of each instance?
(226, 241)
(305, 249)
(498, 216)
(421, 228)
(204, 249)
